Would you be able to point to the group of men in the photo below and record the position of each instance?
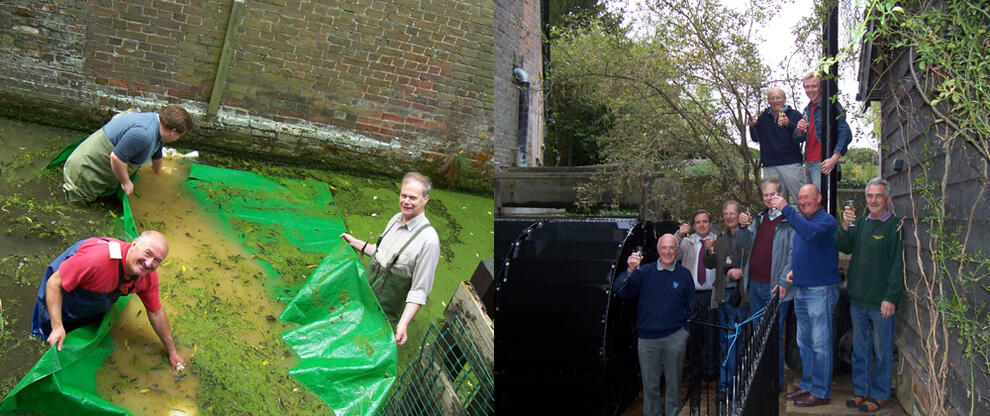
(782, 252)
(84, 281)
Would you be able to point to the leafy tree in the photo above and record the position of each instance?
(575, 122)
(677, 94)
(859, 165)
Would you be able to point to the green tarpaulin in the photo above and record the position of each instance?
(344, 342)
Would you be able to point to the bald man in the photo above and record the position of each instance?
(780, 152)
(83, 282)
(665, 293)
(815, 277)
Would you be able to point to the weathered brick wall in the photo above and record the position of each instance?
(372, 84)
(518, 43)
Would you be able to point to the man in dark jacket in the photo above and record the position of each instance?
(809, 130)
(874, 284)
(729, 290)
(780, 152)
(665, 293)
(768, 260)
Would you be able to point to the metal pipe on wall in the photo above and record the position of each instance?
(522, 78)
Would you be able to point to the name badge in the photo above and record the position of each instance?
(114, 248)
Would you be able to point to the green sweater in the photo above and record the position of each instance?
(876, 271)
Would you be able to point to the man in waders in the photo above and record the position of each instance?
(83, 282)
(107, 158)
(405, 257)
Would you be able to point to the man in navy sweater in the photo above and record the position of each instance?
(780, 153)
(665, 293)
(815, 275)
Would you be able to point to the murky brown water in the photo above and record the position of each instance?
(201, 258)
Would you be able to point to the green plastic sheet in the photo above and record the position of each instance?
(63, 382)
(343, 340)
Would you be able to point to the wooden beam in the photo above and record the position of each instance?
(223, 67)
(467, 305)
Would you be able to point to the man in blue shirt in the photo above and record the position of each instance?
(815, 275)
(106, 160)
(665, 293)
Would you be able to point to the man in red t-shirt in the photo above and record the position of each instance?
(82, 283)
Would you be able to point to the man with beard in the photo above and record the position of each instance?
(874, 284)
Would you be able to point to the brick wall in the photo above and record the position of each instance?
(393, 84)
(518, 43)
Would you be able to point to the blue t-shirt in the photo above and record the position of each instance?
(135, 137)
(665, 298)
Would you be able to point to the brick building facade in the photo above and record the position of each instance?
(356, 84)
(518, 43)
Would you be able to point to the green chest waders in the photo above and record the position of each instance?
(391, 288)
(87, 173)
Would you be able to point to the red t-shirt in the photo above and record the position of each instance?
(91, 268)
(813, 150)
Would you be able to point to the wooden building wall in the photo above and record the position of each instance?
(910, 132)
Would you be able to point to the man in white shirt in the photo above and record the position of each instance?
(701, 346)
(405, 257)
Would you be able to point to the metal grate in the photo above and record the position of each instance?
(448, 378)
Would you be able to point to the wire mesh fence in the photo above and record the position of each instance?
(449, 377)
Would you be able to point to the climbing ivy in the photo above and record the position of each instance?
(947, 45)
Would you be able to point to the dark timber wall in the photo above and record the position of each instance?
(384, 85)
(908, 133)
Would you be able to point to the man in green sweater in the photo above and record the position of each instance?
(875, 279)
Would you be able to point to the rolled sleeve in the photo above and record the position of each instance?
(425, 271)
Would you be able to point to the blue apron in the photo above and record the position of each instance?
(80, 307)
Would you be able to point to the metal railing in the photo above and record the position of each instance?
(753, 389)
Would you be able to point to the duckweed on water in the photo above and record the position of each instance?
(464, 222)
(222, 318)
(36, 224)
(232, 368)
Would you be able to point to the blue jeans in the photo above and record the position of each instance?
(759, 297)
(815, 307)
(727, 316)
(814, 173)
(873, 337)
(662, 355)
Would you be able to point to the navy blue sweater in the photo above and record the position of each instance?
(665, 298)
(777, 144)
(814, 261)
